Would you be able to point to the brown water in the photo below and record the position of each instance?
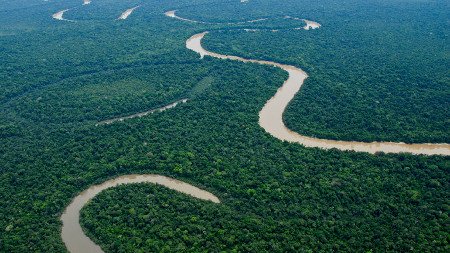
(270, 118)
(72, 234)
(271, 115)
(127, 13)
(142, 114)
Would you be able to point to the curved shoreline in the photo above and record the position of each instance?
(271, 115)
(72, 234)
(270, 118)
(142, 114)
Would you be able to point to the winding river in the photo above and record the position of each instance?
(72, 234)
(270, 119)
(271, 115)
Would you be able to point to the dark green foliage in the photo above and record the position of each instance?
(378, 71)
(59, 78)
(110, 93)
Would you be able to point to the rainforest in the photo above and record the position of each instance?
(224, 126)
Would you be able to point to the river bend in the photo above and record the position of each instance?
(72, 234)
(271, 115)
(270, 119)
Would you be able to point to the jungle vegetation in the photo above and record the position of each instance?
(59, 78)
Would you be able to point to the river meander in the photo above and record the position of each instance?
(271, 115)
(72, 234)
(270, 119)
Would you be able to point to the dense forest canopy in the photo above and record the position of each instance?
(378, 70)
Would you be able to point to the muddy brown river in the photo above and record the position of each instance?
(271, 115)
(270, 119)
(72, 233)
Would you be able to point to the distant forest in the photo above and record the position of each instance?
(378, 70)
